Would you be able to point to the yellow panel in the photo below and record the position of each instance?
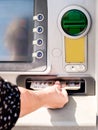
(74, 50)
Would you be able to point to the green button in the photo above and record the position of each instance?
(74, 22)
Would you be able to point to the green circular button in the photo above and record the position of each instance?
(74, 22)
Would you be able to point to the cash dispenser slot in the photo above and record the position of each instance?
(73, 86)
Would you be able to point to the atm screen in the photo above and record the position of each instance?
(16, 23)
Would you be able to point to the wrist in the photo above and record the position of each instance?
(45, 96)
(41, 97)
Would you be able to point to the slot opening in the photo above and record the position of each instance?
(73, 86)
(81, 90)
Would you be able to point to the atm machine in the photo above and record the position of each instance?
(42, 41)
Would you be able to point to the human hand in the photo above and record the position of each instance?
(55, 96)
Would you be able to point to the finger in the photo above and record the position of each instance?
(64, 92)
(58, 87)
(57, 83)
(65, 95)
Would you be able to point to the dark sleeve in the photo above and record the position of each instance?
(9, 105)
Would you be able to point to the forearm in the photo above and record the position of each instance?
(30, 101)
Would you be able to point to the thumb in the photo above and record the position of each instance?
(58, 86)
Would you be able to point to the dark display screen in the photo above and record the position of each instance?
(16, 30)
